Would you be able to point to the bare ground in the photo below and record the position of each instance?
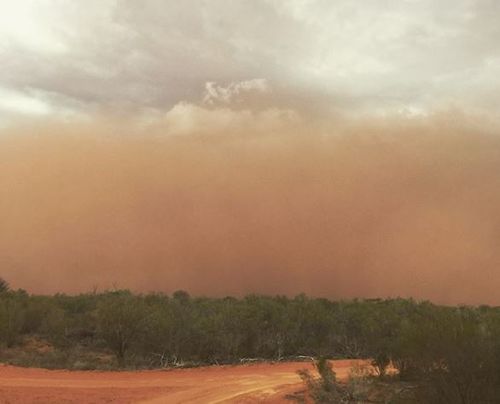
(257, 383)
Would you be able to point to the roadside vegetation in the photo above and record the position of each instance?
(435, 354)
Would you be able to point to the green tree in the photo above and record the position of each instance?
(12, 313)
(121, 319)
(4, 286)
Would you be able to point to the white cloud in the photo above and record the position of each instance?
(186, 118)
(17, 102)
(26, 24)
(234, 92)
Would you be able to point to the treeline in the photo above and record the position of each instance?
(455, 347)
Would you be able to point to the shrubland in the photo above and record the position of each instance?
(442, 354)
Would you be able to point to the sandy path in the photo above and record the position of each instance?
(222, 384)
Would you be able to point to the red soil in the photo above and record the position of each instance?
(217, 384)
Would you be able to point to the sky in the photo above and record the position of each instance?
(63, 58)
(336, 148)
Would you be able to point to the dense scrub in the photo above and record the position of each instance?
(451, 353)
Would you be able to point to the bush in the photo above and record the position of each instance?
(121, 319)
(12, 313)
(324, 389)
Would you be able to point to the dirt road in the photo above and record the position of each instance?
(218, 384)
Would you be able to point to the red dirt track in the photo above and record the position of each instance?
(255, 383)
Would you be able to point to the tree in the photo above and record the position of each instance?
(181, 296)
(4, 286)
(121, 319)
(12, 313)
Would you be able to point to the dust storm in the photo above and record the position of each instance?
(374, 211)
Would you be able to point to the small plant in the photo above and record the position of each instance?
(325, 388)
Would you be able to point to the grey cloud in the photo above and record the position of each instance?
(328, 54)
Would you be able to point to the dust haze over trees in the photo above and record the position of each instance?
(448, 354)
(378, 208)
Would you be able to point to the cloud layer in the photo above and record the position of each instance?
(383, 57)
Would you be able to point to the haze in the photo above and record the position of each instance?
(251, 147)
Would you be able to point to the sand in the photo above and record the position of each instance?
(263, 382)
